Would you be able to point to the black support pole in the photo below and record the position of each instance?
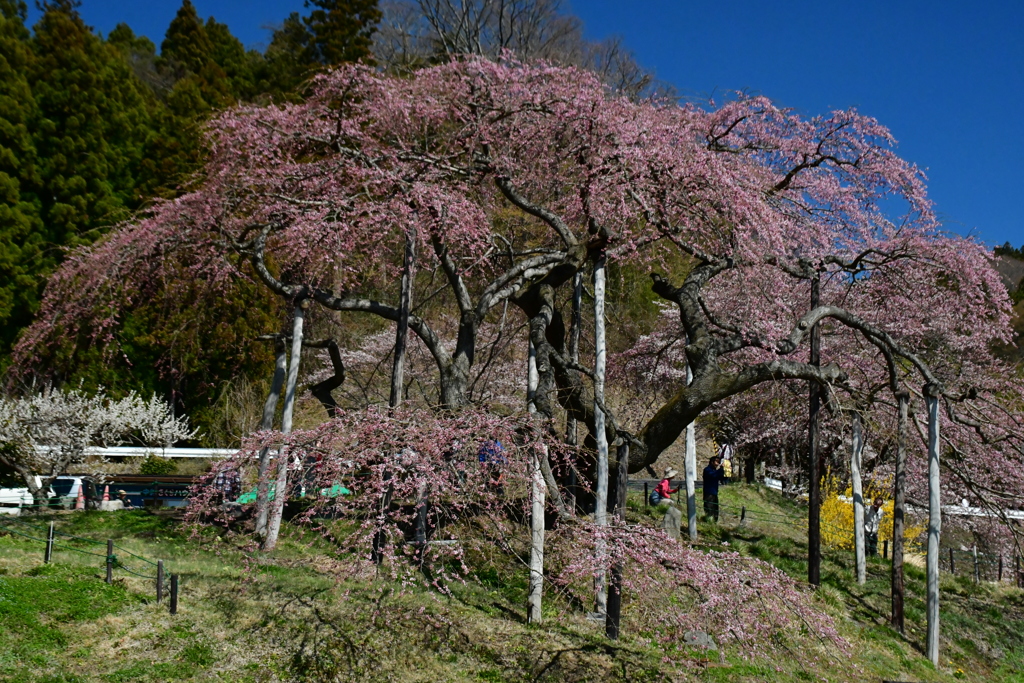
(814, 438)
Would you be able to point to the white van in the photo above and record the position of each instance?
(63, 493)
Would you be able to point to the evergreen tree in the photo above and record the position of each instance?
(21, 244)
(342, 30)
(289, 59)
(240, 66)
(186, 43)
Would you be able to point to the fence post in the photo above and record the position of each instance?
(885, 549)
(952, 563)
(1000, 568)
(110, 561)
(174, 593)
(159, 581)
(646, 498)
(977, 576)
(1017, 560)
(743, 514)
(49, 545)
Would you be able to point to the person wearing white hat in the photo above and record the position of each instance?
(662, 493)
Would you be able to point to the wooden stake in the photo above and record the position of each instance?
(159, 581)
(110, 561)
(174, 594)
(48, 555)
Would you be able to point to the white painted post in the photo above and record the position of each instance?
(934, 522)
(690, 471)
(538, 494)
(532, 379)
(280, 493)
(601, 503)
(402, 331)
(856, 453)
(269, 409)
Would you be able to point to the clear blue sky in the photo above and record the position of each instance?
(947, 77)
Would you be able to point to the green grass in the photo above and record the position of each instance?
(289, 617)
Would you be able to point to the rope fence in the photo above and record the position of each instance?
(111, 561)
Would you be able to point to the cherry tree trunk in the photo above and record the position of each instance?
(814, 438)
(601, 485)
(856, 453)
(690, 471)
(614, 615)
(537, 495)
(280, 489)
(402, 333)
(934, 523)
(898, 510)
(269, 409)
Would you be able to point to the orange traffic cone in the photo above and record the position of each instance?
(80, 501)
(106, 492)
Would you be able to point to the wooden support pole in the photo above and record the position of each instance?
(885, 549)
(647, 495)
(931, 393)
(159, 581)
(952, 562)
(977, 574)
(48, 555)
(743, 514)
(110, 561)
(814, 439)
(174, 594)
(690, 472)
(614, 615)
(402, 331)
(538, 491)
(856, 453)
(896, 583)
(1000, 579)
(266, 424)
(601, 484)
(276, 511)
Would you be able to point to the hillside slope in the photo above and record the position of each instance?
(290, 618)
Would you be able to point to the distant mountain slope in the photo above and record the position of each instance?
(1011, 269)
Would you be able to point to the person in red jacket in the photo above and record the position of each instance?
(663, 491)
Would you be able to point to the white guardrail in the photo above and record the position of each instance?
(954, 510)
(143, 451)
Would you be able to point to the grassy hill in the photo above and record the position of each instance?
(290, 618)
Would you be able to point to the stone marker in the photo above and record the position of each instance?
(672, 521)
(699, 639)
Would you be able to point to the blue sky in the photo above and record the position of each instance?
(947, 77)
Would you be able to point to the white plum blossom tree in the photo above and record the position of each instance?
(43, 434)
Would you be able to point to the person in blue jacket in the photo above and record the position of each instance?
(713, 475)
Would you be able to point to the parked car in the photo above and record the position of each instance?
(63, 493)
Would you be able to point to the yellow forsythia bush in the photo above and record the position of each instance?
(837, 517)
